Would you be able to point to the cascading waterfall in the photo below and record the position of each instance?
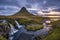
(20, 30)
(12, 31)
(18, 25)
(44, 24)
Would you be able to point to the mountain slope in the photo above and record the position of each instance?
(23, 12)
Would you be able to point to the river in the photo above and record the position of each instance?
(15, 34)
(22, 34)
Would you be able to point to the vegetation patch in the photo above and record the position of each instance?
(33, 28)
(26, 21)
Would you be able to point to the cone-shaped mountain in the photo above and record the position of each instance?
(23, 12)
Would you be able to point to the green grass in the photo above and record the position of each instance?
(55, 35)
(33, 28)
(26, 21)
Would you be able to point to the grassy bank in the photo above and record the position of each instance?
(56, 32)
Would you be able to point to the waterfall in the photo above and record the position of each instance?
(12, 31)
(44, 24)
(20, 30)
(18, 25)
(47, 27)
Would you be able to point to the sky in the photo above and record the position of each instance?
(10, 7)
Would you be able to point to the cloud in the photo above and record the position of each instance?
(57, 10)
(8, 2)
(53, 3)
(51, 13)
(41, 3)
(49, 5)
(44, 4)
(8, 10)
(33, 5)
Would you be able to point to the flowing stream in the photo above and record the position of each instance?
(15, 33)
(12, 32)
(18, 25)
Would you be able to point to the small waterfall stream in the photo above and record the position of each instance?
(18, 25)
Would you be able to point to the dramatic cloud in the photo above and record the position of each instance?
(46, 5)
(8, 10)
(32, 6)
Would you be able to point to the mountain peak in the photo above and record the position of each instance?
(24, 12)
(23, 9)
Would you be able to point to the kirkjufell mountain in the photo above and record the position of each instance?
(23, 13)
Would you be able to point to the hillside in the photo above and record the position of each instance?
(23, 12)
